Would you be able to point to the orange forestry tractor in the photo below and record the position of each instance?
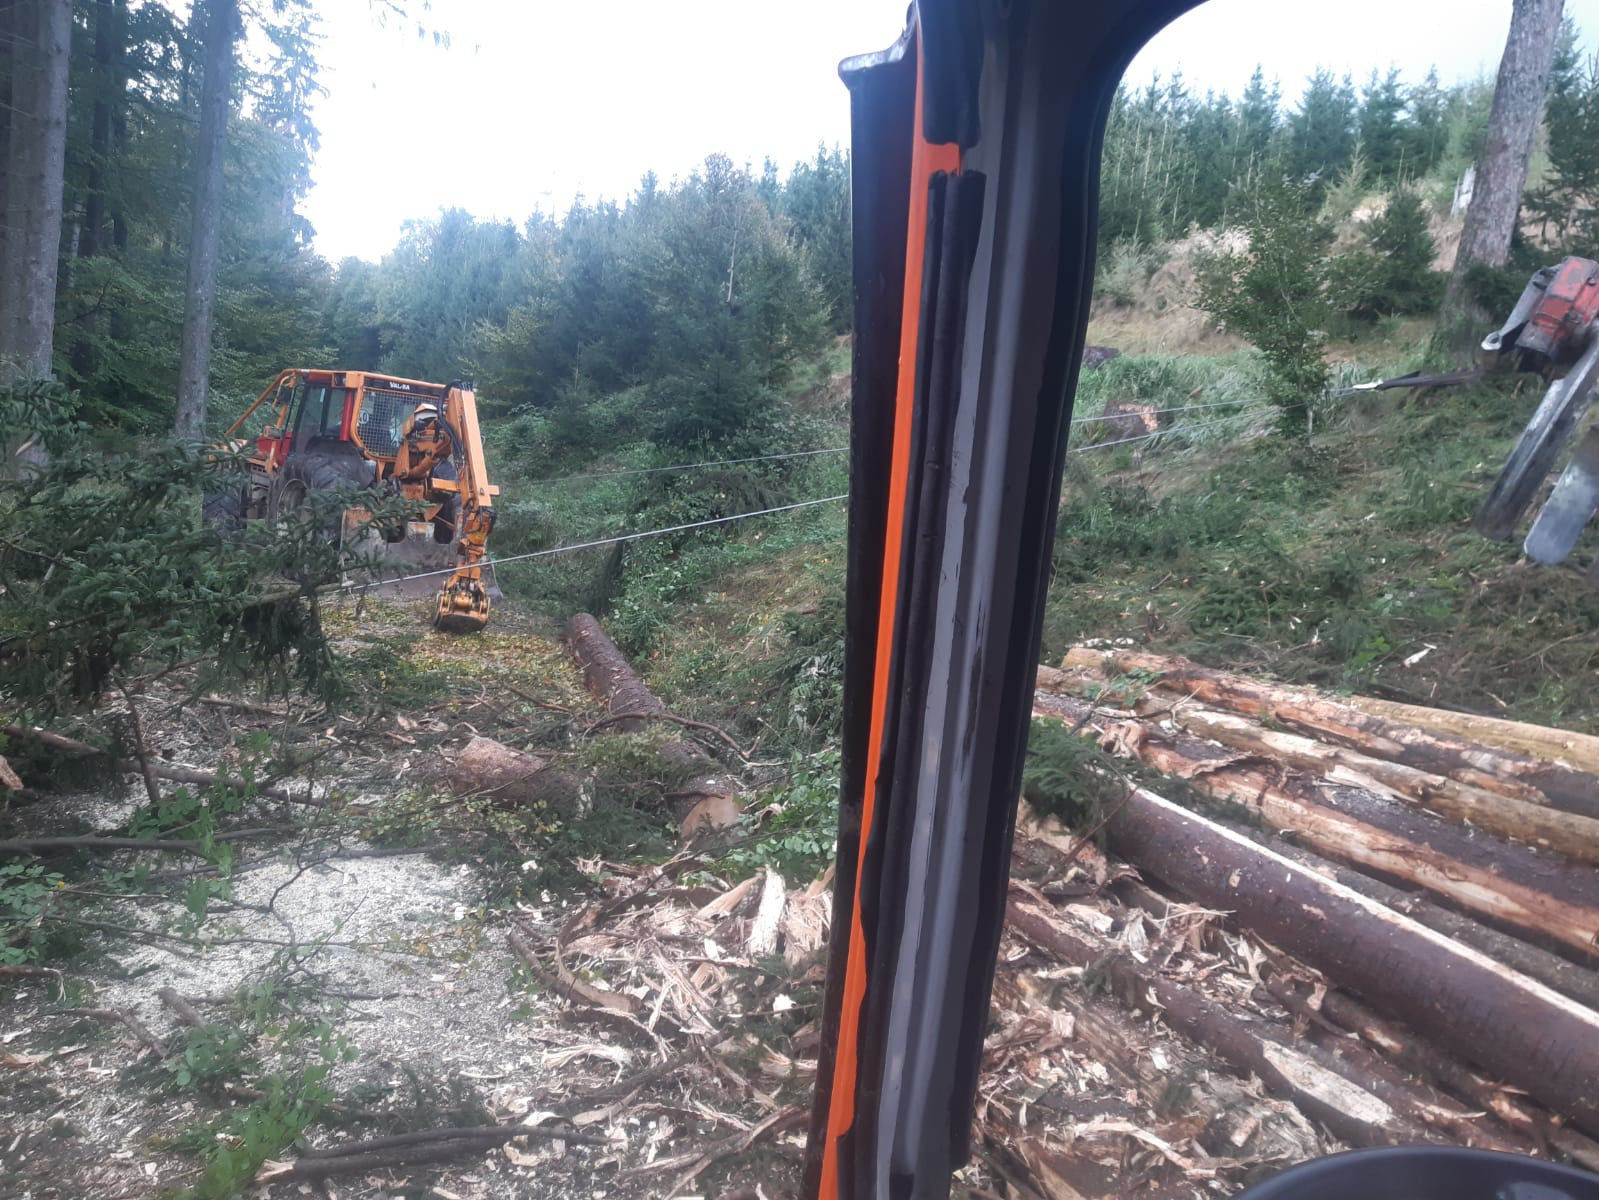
(364, 436)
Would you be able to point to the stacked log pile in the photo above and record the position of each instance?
(1411, 897)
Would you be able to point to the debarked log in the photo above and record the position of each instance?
(1542, 897)
(1481, 1011)
(1300, 710)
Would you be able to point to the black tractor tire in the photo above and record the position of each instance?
(304, 474)
(224, 510)
(447, 523)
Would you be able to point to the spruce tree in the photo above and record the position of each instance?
(1382, 132)
(1257, 123)
(1322, 130)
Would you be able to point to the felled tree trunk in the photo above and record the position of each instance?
(1302, 711)
(1556, 973)
(1475, 1008)
(706, 802)
(610, 677)
(1574, 836)
(1578, 750)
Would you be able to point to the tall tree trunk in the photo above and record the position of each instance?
(1502, 167)
(108, 34)
(8, 35)
(36, 162)
(199, 306)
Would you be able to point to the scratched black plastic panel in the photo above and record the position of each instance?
(882, 892)
(1044, 104)
(931, 819)
(882, 111)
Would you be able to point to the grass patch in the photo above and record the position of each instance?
(1335, 562)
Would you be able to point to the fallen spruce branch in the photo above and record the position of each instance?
(185, 1012)
(623, 1088)
(169, 772)
(783, 1118)
(413, 1149)
(244, 706)
(563, 982)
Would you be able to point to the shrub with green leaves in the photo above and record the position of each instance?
(1275, 294)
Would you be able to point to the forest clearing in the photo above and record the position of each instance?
(937, 730)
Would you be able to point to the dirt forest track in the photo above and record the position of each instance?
(401, 993)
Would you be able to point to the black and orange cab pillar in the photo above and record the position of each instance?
(975, 177)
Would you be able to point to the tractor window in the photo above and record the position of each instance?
(332, 411)
(319, 413)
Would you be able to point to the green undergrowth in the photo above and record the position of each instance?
(1337, 561)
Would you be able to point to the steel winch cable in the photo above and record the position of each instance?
(760, 458)
(713, 462)
(607, 541)
(765, 512)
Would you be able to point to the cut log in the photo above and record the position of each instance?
(1390, 1070)
(491, 768)
(168, 771)
(1302, 711)
(1540, 897)
(1421, 1058)
(611, 679)
(1578, 750)
(1509, 1025)
(1339, 1102)
(1566, 833)
(1234, 1123)
(1560, 975)
(630, 707)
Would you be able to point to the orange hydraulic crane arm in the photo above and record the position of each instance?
(464, 599)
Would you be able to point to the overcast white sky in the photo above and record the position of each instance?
(538, 100)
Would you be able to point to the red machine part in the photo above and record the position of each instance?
(1562, 317)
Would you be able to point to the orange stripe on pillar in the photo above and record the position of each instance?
(927, 160)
